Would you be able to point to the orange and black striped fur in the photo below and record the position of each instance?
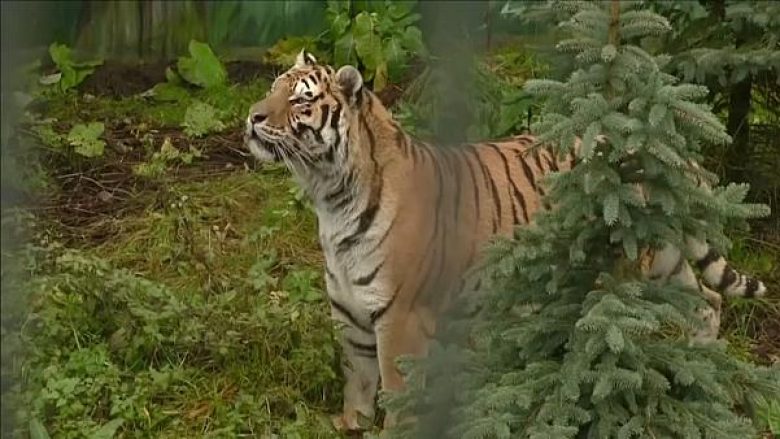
(401, 221)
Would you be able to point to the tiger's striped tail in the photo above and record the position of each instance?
(719, 275)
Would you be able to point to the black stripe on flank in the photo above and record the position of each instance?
(352, 320)
(529, 173)
(491, 184)
(362, 349)
(708, 259)
(751, 286)
(506, 170)
(367, 279)
(551, 162)
(514, 190)
(727, 278)
(454, 165)
(537, 159)
(473, 185)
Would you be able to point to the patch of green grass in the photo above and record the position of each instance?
(203, 317)
(752, 325)
(233, 102)
(210, 233)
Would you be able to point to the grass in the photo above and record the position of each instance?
(232, 100)
(201, 313)
(215, 325)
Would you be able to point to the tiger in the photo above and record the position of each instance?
(401, 221)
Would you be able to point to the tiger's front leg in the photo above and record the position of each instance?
(360, 368)
(401, 332)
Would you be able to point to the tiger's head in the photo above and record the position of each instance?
(302, 117)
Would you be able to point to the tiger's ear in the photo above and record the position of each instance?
(304, 59)
(350, 81)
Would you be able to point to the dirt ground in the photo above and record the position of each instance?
(116, 79)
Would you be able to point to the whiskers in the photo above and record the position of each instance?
(294, 156)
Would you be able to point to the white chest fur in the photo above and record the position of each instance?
(355, 276)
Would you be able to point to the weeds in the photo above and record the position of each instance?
(69, 72)
(215, 325)
(85, 139)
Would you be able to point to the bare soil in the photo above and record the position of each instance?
(117, 79)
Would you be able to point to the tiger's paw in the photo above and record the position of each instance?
(351, 422)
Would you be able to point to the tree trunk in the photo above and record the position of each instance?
(739, 129)
(132, 29)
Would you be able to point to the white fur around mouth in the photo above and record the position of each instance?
(259, 150)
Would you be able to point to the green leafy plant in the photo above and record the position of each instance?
(202, 68)
(85, 139)
(69, 72)
(112, 352)
(380, 37)
(160, 160)
(201, 119)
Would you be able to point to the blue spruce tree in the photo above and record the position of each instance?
(571, 340)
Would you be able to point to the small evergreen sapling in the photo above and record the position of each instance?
(572, 341)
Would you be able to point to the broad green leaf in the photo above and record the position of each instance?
(367, 43)
(72, 73)
(202, 67)
(85, 138)
(412, 40)
(343, 50)
(339, 24)
(60, 54)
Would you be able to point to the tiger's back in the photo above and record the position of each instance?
(456, 199)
